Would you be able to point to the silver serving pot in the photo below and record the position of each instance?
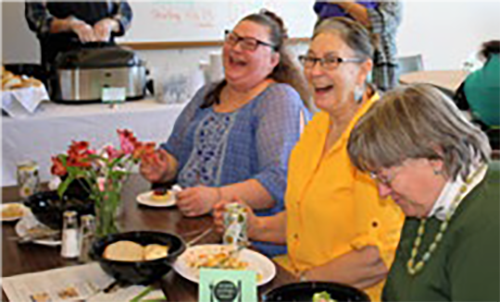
(82, 74)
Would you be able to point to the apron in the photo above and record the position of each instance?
(90, 12)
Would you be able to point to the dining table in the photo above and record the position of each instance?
(28, 258)
(446, 80)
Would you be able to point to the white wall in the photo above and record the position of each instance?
(19, 44)
(445, 32)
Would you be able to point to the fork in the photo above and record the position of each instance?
(199, 237)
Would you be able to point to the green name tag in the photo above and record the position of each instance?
(113, 94)
(218, 285)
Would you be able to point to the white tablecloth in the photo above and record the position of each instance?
(52, 128)
(23, 101)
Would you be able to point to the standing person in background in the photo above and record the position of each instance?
(382, 19)
(234, 138)
(64, 26)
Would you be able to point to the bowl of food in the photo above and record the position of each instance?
(139, 257)
(48, 207)
(315, 292)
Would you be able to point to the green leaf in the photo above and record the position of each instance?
(64, 186)
(142, 294)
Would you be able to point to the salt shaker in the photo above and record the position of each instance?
(86, 235)
(69, 247)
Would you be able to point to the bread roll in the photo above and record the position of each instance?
(124, 250)
(13, 83)
(5, 78)
(155, 251)
(31, 82)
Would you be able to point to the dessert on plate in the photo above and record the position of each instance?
(161, 194)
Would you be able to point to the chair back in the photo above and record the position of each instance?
(410, 64)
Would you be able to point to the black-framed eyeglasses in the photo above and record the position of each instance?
(328, 63)
(246, 43)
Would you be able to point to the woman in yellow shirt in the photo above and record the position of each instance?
(336, 227)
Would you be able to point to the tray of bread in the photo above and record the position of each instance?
(11, 81)
(21, 94)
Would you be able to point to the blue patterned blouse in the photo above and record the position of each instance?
(255, 141)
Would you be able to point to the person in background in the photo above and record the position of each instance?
(435, 164)
(234, 138)
(328, 9)
(480, 93)
(382, 18)
(335, 225)
(63, 26)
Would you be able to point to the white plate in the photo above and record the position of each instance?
(4, 206)
(29, 221)
(146, 199)
(256, 262)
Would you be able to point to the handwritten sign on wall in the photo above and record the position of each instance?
(174, 21)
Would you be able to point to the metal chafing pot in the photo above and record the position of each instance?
(82, 74)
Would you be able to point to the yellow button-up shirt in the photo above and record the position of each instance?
(332, 208)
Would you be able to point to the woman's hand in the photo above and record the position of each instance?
(103, 29)
(342, 3)
(197, 201)
(155, 166)
(357, 11)
(218, 215)
(252, 219)
(84, 31)
(361, 268)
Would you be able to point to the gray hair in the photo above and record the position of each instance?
(353, 33)
(416, 121)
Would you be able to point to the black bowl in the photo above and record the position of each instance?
(48, 208)
(304, 291)
(141, 272)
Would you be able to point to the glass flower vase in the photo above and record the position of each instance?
(107, 207)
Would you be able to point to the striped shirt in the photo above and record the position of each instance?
(385, 20)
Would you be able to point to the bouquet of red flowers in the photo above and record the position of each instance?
(102, 172)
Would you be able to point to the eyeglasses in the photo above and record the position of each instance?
(328, 63)
(385, 180)
(247, 43)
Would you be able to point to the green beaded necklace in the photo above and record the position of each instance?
(415, 268)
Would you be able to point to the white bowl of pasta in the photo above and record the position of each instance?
(221, 257)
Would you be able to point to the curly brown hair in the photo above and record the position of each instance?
(285, 72)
